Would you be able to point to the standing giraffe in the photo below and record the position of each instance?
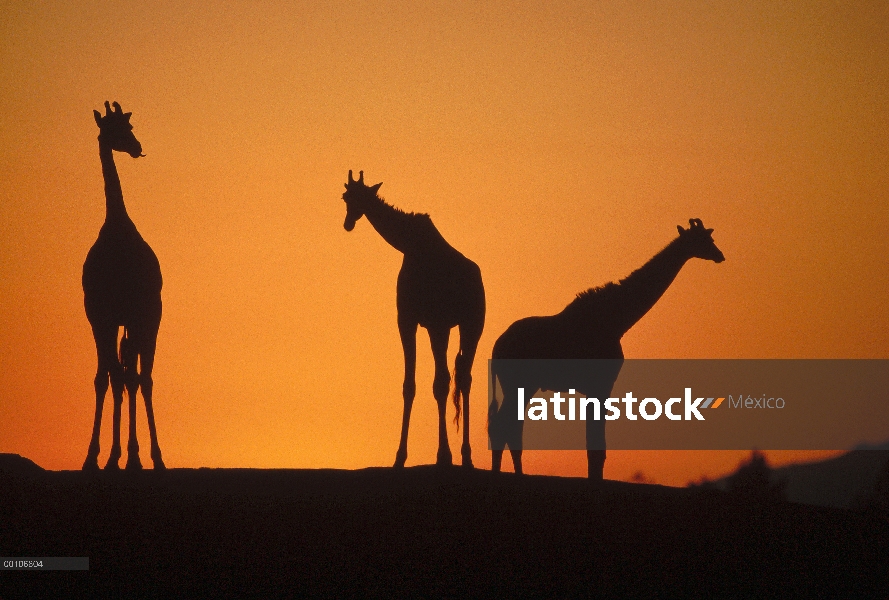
(590, 327)
(438, 288)
(121, 288)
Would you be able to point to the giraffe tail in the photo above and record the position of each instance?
(128, 356)
(457, 378)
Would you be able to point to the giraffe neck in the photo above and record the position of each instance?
(115, 211)
(395, 226)
(641, 290)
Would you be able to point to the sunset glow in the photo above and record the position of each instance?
(557, 145)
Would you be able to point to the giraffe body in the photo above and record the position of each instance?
(438, 288)
(123, 276)
(590, 327)
(121, 288)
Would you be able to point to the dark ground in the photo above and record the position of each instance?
(423, 532)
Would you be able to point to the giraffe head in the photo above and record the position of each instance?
(115, 129)
(356, 197)
(698, 241)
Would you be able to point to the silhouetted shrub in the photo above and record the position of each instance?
(702, 484)
(876, 501)
(640, 477)
(752, 482)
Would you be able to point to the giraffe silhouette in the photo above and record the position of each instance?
(590, 327)
(438, 288)
(121, 288)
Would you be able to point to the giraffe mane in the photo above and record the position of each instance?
(400, 211)
(594, 296)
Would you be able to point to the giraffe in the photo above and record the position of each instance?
(590, 327)
(438, 288)
(121, 288)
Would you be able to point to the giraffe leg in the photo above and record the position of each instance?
(117, 386)
(595, 443)
(515, 430)
(131, 382)
(408, 332)
(506, 430)
(129, 355)
(516, 459)
(463, 382)
(106, 341)
(595, 464)
(495, 431)
(100, 383)
(147, 384)
(440, 386)
(496, 460)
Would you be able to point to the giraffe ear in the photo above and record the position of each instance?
(127, 116)
(681, 230)
(710, 231)
(375, 188)
(98, 117)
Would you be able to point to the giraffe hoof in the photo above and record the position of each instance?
(466, 454)
(159, 465)
(112, 465)
(444, 460)
(91, 464)
(134, 464)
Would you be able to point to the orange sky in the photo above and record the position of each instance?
(556, 144)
